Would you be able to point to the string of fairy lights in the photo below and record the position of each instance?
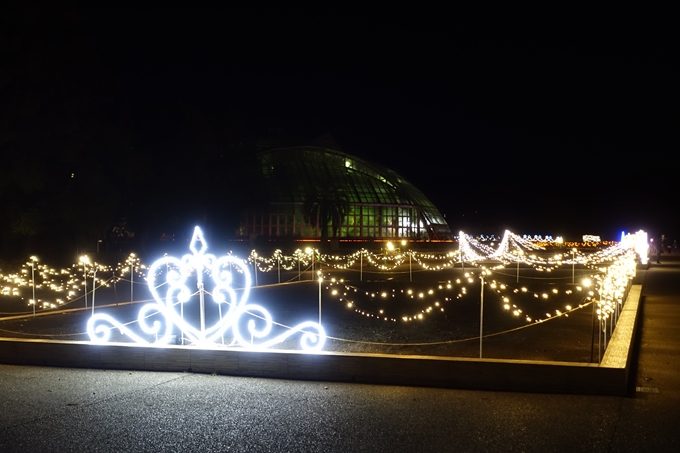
(612, 266)
(67, 285)
(437, 297)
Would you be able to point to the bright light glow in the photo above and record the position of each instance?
(194, 267)
(637, 242)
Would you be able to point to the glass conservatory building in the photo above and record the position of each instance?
(378, 203)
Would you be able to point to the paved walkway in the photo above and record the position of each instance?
(52, 409)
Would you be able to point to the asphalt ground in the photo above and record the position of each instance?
(54, 409)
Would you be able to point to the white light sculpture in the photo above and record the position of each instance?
(502, 247)
(467, 252)
(258, 321)
(637, 242)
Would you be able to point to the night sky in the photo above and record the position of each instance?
(561, 124)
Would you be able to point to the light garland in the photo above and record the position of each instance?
(67, 284)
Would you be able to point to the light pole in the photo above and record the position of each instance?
(115, 288)
(94, 285)
(85, 260)
(519, 254)
(310, 252)
(278, 263)
(573, 263)
(586, 284)
(298, 253)
(201, 297)
(600, 315)
(219, 308)
(320, 282)
(481, 312)
(181, 311)
(361, 265)
(255, 265)
(604, 313)
(410, 268)
(131, 260)
(33, 260)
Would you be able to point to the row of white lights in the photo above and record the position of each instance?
(70, 282)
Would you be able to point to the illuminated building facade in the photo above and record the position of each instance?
(377, 203)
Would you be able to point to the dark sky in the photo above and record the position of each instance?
(544, 123)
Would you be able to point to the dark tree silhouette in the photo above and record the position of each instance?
(325, 204)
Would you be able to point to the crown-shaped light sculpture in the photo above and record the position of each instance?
(172, 294)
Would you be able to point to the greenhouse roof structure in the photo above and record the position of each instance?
(380, 202)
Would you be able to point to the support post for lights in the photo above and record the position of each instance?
(460, 252)
(592, 331)
(320, 281)
(481, 314)
(308, 251)
(219, 308)
(33, 259)
(132, 281)
(84, 259)
(85, 283)
(181, 315)
(94, 285)
(278, 264)
(573, 263)
(586, 284)
(115, 288)
(604, 333)
(201, 295)
(255, 266)
(616, 310)
(410, 254)
(519, 254)
(599, 332)
(361, 265)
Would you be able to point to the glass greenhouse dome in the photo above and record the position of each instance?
(363, 201)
